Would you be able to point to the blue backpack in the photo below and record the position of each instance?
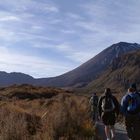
(133, 103)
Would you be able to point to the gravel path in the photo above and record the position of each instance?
(119, 129)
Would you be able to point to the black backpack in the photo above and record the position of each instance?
(108, 104)
(95, 100)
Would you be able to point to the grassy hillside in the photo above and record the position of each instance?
(37, 113)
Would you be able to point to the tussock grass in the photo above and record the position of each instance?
(67, 116)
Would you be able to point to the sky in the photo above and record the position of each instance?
(46, 38)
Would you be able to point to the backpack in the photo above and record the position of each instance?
(133, 104)
(108, 104)
(94, 100)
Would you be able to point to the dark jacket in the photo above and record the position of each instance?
(115, 101)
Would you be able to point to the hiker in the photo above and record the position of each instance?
(108, 107)
(94, 103)
(130, 107)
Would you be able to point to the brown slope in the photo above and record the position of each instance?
(92, 68)
(122, 72)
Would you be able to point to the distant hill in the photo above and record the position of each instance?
(78, 77)
(7, 79)
(123, 71)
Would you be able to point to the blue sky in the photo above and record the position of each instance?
(46, 38)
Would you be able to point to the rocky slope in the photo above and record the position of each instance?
(122, 72)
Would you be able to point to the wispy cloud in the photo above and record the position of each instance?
(10, 18)
(28, 5)
(114, 15)
(32, 65)
(50, 8)
(47, 35)
(74, 16)
(68, 31)
(82, 56)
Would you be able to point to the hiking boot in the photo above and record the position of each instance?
(113, 138)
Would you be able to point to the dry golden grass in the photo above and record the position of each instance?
(65, 115)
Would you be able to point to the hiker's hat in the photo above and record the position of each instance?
(133, 85)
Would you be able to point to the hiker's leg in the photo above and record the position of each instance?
(107, 131)
(136, 126)
(106, 121)
(93, 115)
(96, 114)
(109, 121)
(129, 126)
(112, 131)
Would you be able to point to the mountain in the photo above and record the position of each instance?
(7, 79)
(123, 71)
(93, 68)
(78, 77)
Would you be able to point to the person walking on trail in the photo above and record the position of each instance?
(108, 107)
(93, 103)
(130, 107)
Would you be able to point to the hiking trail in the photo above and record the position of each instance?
(120, 131)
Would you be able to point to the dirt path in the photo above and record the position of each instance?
(119, 129)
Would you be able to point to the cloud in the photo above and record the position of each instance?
(32, 65)
(10, 18)
(70, 52)
(65, 47)
(68, 32)
(88, 26)
(29, 5)
(81, 57)
(7, 36)
(109, 22)
(50, 8)
(27, 20)
(77, 55)
(36, 27)
(113, 15)
(74, 16)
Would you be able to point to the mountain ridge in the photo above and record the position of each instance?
(78, 77)
(95, 66)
